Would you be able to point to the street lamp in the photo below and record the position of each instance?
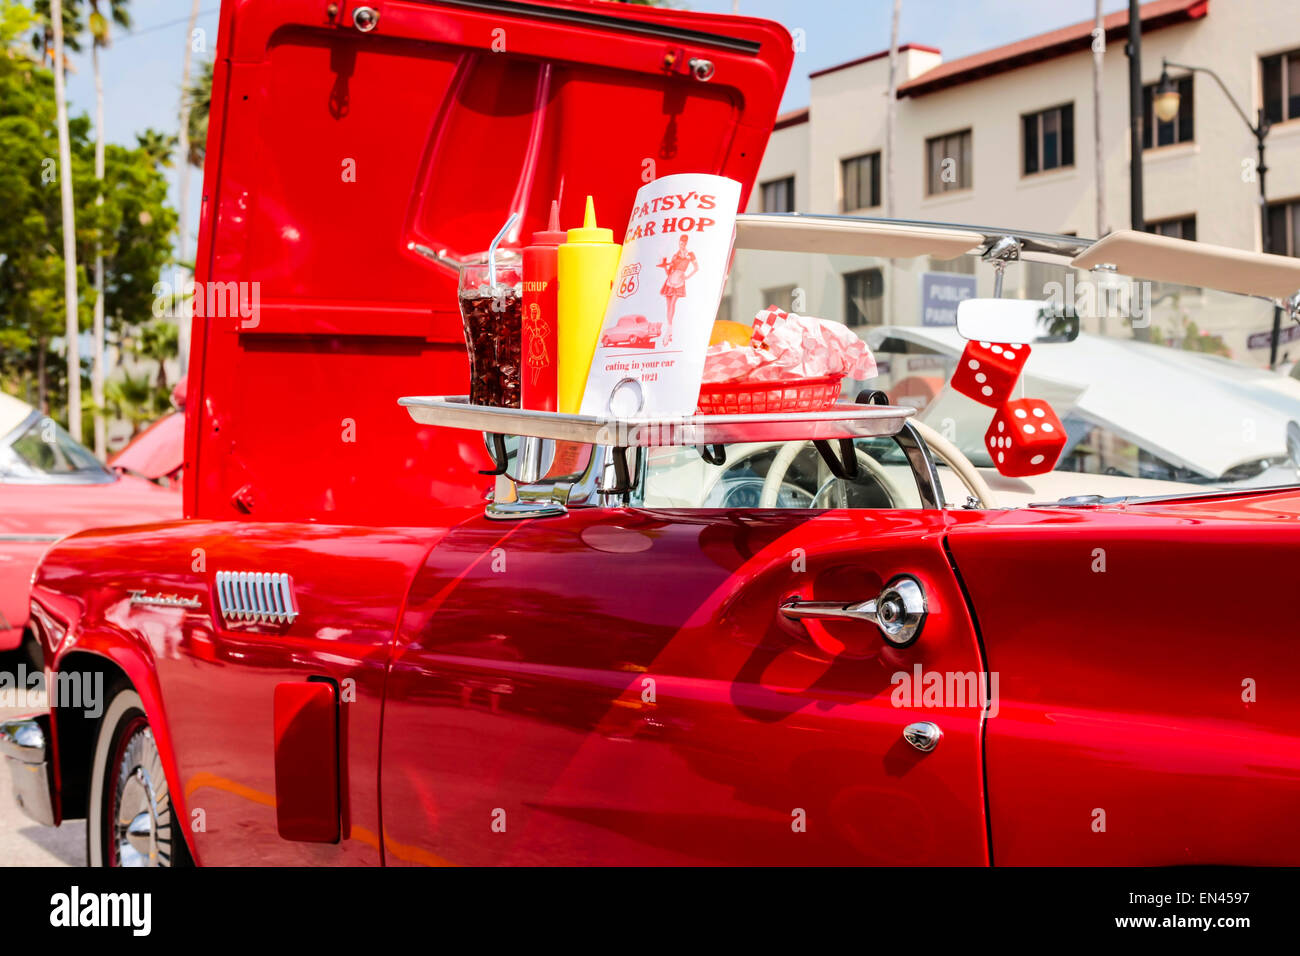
(1165, 104)
(1167, 99)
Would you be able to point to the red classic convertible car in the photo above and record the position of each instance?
(794, 647)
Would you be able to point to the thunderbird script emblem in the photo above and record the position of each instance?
(158, 599)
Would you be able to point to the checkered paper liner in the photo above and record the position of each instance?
(763, 323)
(787, 347)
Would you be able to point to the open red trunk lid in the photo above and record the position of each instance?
(331, 150)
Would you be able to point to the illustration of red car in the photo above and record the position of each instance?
(635, 331)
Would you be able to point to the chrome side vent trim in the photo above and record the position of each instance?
(256, 597)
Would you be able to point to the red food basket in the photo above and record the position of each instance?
(791, 395)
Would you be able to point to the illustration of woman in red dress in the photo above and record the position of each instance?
(675, 284)
(537, 329)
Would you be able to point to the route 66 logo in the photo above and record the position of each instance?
(629, 280)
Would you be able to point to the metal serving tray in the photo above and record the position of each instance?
(840, 421)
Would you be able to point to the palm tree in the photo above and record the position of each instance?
(157, 340)
(99, 31)
(133, 399)
(183, 214)
(198, 98)
(158, 146)
(55, 23)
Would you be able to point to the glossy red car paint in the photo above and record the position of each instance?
(307, 761)
(518, 657)
(209, 686)
(34, 516)
(334, 150)
(618, 687)
(1146, 658)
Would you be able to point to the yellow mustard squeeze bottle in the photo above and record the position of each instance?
(585, 275)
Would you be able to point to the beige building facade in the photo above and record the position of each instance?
(1005, 138)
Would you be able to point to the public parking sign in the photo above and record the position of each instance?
(940, 293)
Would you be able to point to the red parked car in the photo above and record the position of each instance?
(346, 654)
(50, 486)
(157, 454)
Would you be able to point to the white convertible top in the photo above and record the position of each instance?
(1141, 255)
(1146, 255)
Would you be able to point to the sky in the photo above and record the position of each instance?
(142, 69)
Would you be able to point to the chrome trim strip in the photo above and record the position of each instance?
(606, 22)
(30, 537)
(842, 420)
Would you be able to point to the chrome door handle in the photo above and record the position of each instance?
(899, 611)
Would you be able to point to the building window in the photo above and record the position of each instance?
(1180, 227)
(724, 308)
(782, 297)
(950, 163)
(1180, 129)
(1048, 139)
(1284, 228)
(1280, 82)
(1037, 277)
(1184, 227)
(962, 265)
(860, 177)
(778, 195)
(864, 302)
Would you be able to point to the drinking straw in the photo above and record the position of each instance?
(492, 251)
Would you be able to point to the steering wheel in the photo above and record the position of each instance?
(962, 467)
(942, 449)
(780, 466)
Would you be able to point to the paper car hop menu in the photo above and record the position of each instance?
(666, 293)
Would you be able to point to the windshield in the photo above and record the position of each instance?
(41, 450)
(1166, 391)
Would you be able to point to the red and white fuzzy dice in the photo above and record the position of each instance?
(988, 371)
(1025, 437)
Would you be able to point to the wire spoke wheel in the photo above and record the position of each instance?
(130, 818)
(140, 809)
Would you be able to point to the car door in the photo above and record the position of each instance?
(620, 686)
(1146, 718)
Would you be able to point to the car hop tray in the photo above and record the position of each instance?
(523, 462)
(845, 420)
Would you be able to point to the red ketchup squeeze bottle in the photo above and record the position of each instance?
(540, 309)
